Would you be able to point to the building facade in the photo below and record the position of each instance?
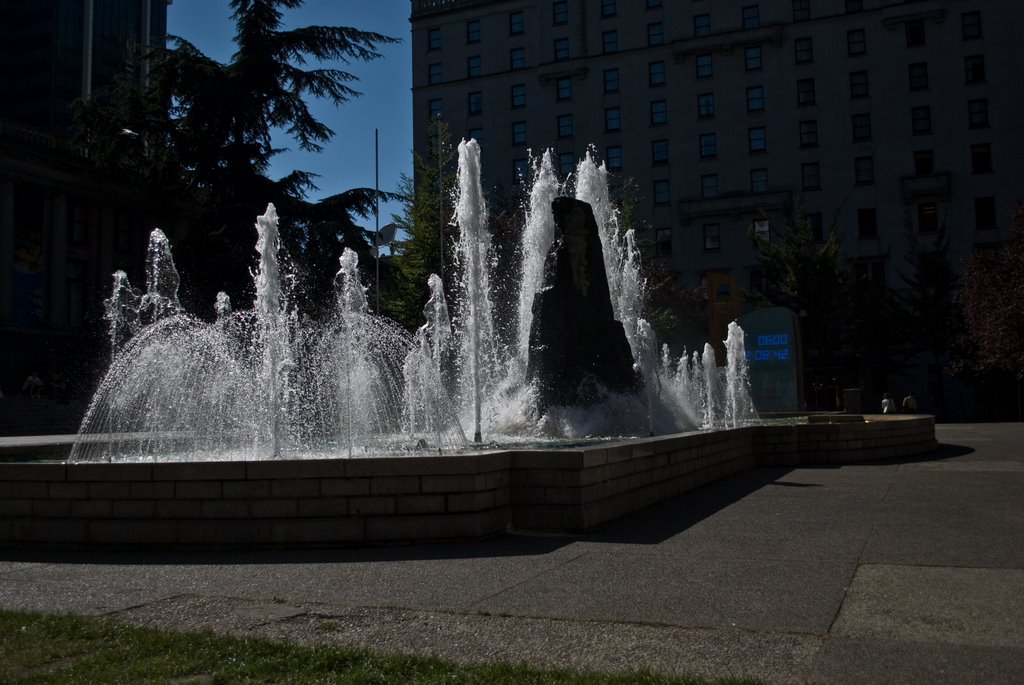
(63, 228)
(881, 118)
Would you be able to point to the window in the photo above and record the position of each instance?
(663, 241)
(435, 108)
(475, 102)
(703, 63)
(520, 170)
(867, 223)
(855, 42)
(560, 13)
(755, 99)
(613, 157)
(473, 31)
(661, 192)
(612, 119)
(611, 80)
(863, 170)
(608, 8)
(610, 41)
(914, 32)
(473, 66)
(702, 25)
(519, 133)
(762, 228)
(518, 95)
(759, 180)
(854, 6)
(924, 162)
(918, 73)
(712, 237)
(434, 39)
(757, 139)
(977, 113)
(708, 144)
(751, 17)
(434, 71)
(981, 158)
(861, 127)
(921, 120)
(706, 105)
(970, 25)
(858, 84)
(564, 88)
(656, 74)
(809, 133)
(709, 185)
(870, 270)
(810, 176)
(659, 112)
(805, 91)
(752, 58)
(984, 213)
(564, 125)
(515, 23)
(561, 49)
(813, 221)
(517, 58)
(974, 67)
(927, 217)
(476, 134)
(655, 33)
(804, 50)
(566, 163)
(659, 151)
(801, 10)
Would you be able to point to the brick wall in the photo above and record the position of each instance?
(403, 499)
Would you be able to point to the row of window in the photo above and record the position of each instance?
(920, 116)
(867, 227)
(970, 25)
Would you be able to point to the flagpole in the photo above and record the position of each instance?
(376, 212)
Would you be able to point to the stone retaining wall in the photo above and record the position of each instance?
(405, 499)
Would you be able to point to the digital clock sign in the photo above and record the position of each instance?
(772, 345)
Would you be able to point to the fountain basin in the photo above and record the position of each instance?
(337, 502)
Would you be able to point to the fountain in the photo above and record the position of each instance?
(266, 383)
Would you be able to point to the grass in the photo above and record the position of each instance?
(38, 648)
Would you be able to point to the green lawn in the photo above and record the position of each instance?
(37, 648)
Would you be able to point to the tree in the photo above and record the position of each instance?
(810, 278)
(200, 132)
(428, 207)
(927, 316)
(993, 303)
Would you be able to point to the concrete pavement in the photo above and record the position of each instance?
(903, 571)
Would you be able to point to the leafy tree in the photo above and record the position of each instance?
(993, 302)
(927, 314)
(428, 204)
(199, 134)
(810, 278)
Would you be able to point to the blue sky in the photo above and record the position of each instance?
(386, 103)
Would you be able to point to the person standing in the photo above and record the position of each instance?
(910, 403)
(888, 404)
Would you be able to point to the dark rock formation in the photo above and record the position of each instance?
(576, 344)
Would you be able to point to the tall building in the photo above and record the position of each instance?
(63, 228)
(878, 117)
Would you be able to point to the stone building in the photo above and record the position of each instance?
(882, 118)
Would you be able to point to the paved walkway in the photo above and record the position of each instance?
(909, 571)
